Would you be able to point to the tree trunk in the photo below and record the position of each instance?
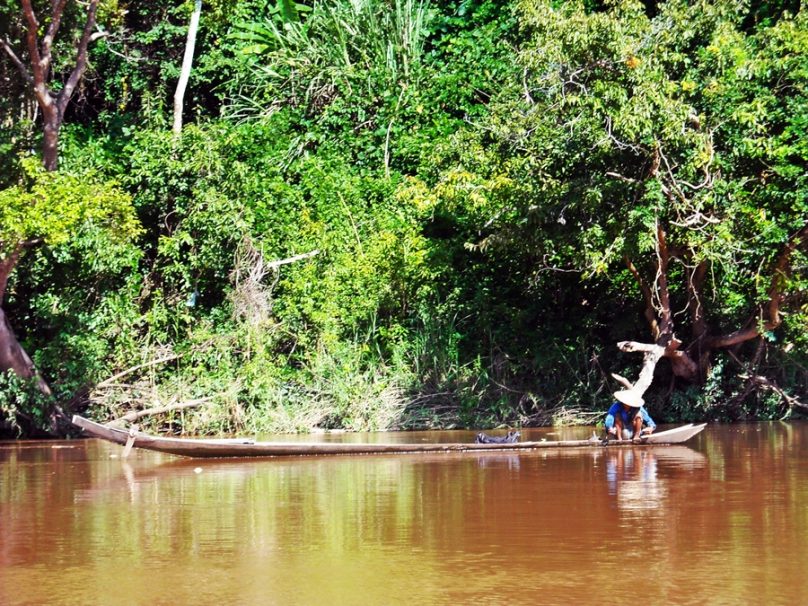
(50, 143)
(12, 355)
(187, 61)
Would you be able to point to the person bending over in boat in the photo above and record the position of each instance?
(627, 418)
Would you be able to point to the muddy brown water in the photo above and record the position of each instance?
(721, 520)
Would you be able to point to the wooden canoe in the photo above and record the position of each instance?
(250, 448)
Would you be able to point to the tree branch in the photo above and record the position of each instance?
(37, 67)
(651, 355)
(623, 381)
(31, 242)
(56, 19)
(695, 288)
(6, 267)
(635, 346)
(761, 381)
(663, 258)
(779, 274)
(16, 61)
(81, 59)
(621, 177)
(276, 264)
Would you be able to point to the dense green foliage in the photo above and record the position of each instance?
(400, 213)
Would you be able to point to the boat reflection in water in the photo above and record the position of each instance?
(633, 474)
(509, 462)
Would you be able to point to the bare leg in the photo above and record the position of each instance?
(637, 425)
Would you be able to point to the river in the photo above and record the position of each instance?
(722, 520)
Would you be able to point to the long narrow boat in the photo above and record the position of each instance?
(250, 448)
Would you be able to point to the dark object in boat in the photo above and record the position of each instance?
(511, 438)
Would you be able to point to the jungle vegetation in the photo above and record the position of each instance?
(269, 215)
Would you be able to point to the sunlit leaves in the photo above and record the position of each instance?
(626, 124)
(52, 206)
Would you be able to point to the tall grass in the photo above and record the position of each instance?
(338, 46)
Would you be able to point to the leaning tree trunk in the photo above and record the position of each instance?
(13, 356)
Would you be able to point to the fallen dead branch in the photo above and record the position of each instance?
(567, 417)
(135, 415)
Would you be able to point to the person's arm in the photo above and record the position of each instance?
(609, 423)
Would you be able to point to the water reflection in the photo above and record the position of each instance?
(632, 478)
(632, 474)
(508, 461)
(722, 522)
